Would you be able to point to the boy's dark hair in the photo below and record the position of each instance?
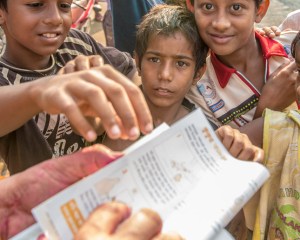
(167, 20)
(3, 4)
(294, 43)
(257, 2)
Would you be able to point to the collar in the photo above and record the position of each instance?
(269, 48)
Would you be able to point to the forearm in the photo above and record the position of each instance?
(17, 106)
(254, 131)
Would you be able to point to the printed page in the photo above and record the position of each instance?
(181, 169)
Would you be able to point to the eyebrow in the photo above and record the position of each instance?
(175, 56)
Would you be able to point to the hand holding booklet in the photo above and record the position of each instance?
(183, 172)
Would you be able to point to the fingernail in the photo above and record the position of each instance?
(115, 131)
(134, 132)
(149, 127)
(91, 136)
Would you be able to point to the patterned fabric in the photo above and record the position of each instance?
(46, 136)
(278, 214)
(226, 94)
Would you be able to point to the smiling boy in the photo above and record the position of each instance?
(39, 43)
(236, 86)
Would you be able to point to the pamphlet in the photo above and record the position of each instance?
(184, 173)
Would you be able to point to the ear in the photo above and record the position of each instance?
(189, 6)
(262, 10)
(2, 16)
(199, 74)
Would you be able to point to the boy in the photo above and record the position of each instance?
(169, 55)
(38, 44)
(234, 88)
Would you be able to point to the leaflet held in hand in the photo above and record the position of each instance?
(184, 173)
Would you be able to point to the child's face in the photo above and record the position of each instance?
(167, 69)
(35, 27)
(226, 25)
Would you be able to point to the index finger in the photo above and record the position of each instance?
(136, 98)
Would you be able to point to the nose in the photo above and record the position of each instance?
(165, 72)
(53, 15)
(221, 22)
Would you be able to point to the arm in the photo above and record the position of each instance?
(101, 92)
(21, 192)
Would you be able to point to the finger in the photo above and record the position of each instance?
(69, 67)
(84, 163)
(103, 221)
(96, 98)
(247, 151)
(96, 61)
(259, 155)
(143, 225)
(226, 136)
(64, 102)
(240, 147)
(133, 110)
(82, 63)
(276, 30)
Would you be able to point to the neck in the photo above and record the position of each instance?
(36, 63)
(168, 115)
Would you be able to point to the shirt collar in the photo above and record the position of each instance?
(269, 48)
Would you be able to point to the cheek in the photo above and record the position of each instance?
(67, 18)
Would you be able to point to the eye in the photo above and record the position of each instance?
(236, 7)
(65, 6)
(182, 64)
(35, 4)
(154, 59)
(208, 6)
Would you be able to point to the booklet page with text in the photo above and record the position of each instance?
(184, 173)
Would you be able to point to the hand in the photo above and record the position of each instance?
(279, 91)
(239, 145)
(21, 192)
(112, 221)
(270, 32)
(82, 62)
(102, 93)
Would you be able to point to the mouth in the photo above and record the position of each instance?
(220, 38)
(163, 91)
(50, 35)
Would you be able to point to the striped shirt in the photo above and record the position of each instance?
(46, 136)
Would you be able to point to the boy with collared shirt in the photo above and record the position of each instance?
(235, 88)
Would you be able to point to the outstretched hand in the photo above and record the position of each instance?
(101, 93)
(23, 191)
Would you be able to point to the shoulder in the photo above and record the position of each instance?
(81, 43)
(8, 76)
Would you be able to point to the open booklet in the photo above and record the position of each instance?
(184, 173)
